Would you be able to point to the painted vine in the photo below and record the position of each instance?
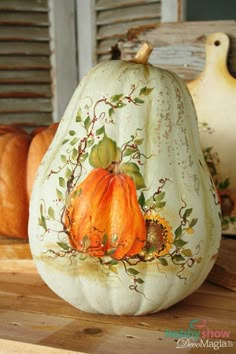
(164, 246)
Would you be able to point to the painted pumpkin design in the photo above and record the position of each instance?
(104, 217)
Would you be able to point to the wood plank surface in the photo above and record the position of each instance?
(14, 249)
(31, 313)
(180, 46)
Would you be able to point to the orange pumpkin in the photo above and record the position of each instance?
(104, 217)
(18, 163)
(14, 145)
(42, 138)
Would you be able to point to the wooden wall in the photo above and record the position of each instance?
(179, 46)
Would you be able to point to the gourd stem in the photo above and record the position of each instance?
(143, 53)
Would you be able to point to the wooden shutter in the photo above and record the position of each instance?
(25, 81)
(114, 18)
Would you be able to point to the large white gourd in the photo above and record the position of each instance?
(124, 217)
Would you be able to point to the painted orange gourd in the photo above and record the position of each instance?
(20, 157)
(104, 217)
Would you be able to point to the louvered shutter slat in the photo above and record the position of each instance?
(24, 48)
(25, 91)
(114, 19)
(128, 14)
(13, 105)
(21, 77)
(25, 79)
(23, 18)
(108, 4)
(20, 5)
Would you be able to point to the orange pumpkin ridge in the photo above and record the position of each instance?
(104, 217)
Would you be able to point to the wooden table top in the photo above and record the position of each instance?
(35, 320)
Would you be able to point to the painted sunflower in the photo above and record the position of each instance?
(159, 236)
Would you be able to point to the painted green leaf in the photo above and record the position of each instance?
(179, 243)
(187, 252)
(139, 281)
(105, 239)
(178, 232)
(87, 123)
(120, 105)
(83, 157)
(63, 158)
(113, 262)
(141, 200)
(59, 194)
(51, 213)
(145, 91)
(72, 132)
(132, 271)
(224, 184)
(104, 153)
(65, 141)
(68, 173)
(62, 182)
(100, 130)
(116, 98)
(193, 222)
(178, 258)
(159, 205)
(90, 142)
(64, 245)
(138, 141)
(79, 116)
(111, 111)
(149, 202)
(159, 196)
(129, 151)
(187, 213)
(74, 154)
(85, 242)
(132, 170)
(42, 222)
(74, 141)
(163, 261)
(138, 100)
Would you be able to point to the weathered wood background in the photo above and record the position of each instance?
(25, 81)
(112, 20)
(179, 46)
